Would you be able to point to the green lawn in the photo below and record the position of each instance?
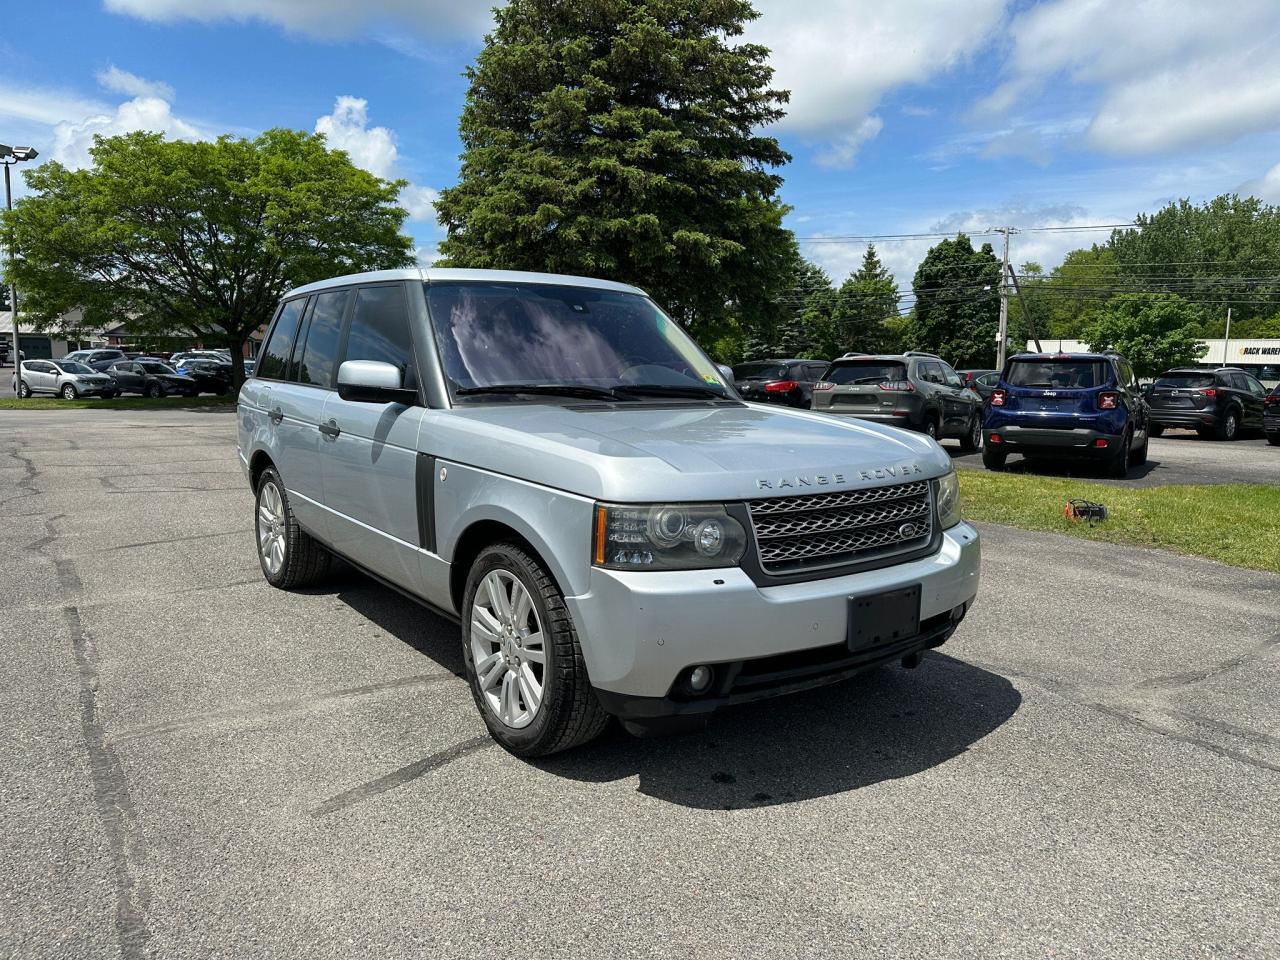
(120, 403)
(1234, 523)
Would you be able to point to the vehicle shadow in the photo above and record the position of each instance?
(1083, 469)
(881, 725)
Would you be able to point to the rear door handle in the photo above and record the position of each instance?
(276, 415)
(330, 429)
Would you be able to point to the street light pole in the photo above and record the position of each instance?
(9, 156)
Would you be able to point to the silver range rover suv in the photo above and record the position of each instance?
(552, 462)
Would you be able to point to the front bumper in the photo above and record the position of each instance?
(1079, 441)
(641, 630)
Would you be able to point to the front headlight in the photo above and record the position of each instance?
(947, 498)
(666, 537)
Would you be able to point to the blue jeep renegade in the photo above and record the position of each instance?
(1067, 405)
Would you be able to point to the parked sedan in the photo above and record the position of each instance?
(788, 382)
(212, 377)
(152, 379)
(64, 378)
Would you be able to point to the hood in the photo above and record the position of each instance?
(652, 452)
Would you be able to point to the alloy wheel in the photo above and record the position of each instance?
(1230, 426)
(508, 649)
(271, 528)
(975, 435)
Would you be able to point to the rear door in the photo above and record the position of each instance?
(1254, 394)
(958, 402)
(42, 376)
(369, 451)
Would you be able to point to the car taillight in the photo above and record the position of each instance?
(824, 385)
(780, 386)
(1271, 400)
(1209, 392)
(898, 386)
(1108, 401)
(997, 397)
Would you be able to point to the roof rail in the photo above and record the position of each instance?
(921, 353)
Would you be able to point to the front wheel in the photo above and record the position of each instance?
(290, 557)
(68, 392)
(972, 440)
(522, 656)
(993, 459)
(153, 390)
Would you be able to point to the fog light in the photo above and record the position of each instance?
(700, 679)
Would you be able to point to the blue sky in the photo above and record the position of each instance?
(917, 116)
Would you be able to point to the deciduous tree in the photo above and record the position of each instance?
(1154, 331)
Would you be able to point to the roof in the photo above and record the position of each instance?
(454, 275)
(1049, 355)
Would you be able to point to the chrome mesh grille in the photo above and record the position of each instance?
(826, 529)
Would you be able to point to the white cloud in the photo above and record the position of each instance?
(374, 149)
(132, 85)
(1266, 187)
(1169, 73)
(328, 19)
(43, 106)
(839, 58)
(845, 147)
(72, 139)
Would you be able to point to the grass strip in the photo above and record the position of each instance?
(119, 403)
(1233, 523)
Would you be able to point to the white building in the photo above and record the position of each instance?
(1259, 357)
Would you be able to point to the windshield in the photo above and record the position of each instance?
(1058, 374)
(1185, 381)
(71, 366)
(154, 367)
(865, 371)
(503, 334)
(760, 371)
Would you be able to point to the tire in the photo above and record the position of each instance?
(993, 459)
(972, 440)
(931, 429)
(1138, 455)
(1117, 461)
(289, 557)
(1273, 439)
(153, 390)
(566, 712)
(24, 391)
(1228, 428)
(1155, 431)
(68, 392)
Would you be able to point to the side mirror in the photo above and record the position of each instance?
(373, 381)
(726, 372)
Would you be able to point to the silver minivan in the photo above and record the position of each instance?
(553, 463)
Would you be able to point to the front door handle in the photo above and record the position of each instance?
(276, 415)
(330, 429)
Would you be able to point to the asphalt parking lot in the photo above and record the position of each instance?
(198, 765)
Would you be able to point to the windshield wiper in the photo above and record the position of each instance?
(692, 391)
(540, 389)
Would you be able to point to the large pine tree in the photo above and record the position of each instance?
(619, 139)
(865, 301)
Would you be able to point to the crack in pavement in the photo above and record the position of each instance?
(1175, 680)
(398, 778)
(275, 708)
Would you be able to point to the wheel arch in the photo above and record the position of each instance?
(482, 533)
(257, 464)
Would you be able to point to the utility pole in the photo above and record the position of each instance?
(1002, 347)
(9, 156)
(1226, 340)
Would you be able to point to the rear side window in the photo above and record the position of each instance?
(323, 331)
(866, 371)
(1058, 374)
(380, 331)
(275, 354)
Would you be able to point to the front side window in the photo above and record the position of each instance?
(380, 331)
(514, 334)
(323, 331)
(275, 355)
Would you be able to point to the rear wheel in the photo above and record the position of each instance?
(289, 556)
(24, 391)
(68, 392)
(931, 428)
(522, 656)
(993, 459)
(1118, 457)
(1138, 455)
(1273, 439)
(972, 439)
(1228, 428)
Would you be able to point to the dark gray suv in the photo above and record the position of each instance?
(914, 390)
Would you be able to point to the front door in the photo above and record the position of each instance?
(369, 451)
